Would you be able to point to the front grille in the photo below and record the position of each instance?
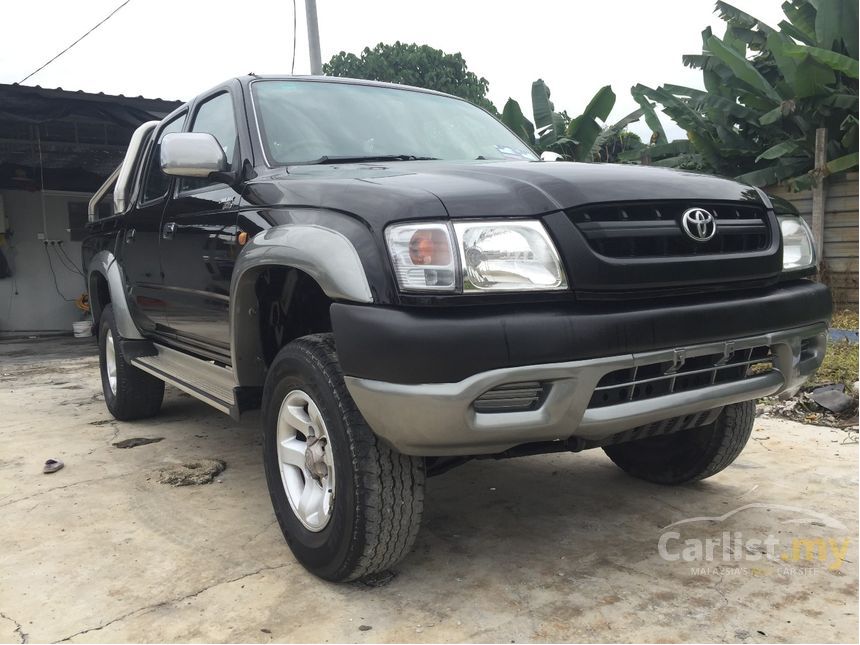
(680, 375)
(510, 397)
(653, 229)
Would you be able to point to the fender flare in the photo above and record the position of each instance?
(326, 255)
(106, 264)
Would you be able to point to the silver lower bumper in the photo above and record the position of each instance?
(439, 418)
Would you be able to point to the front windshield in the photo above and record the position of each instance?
(308, 121)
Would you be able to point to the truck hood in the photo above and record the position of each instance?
(410, 189)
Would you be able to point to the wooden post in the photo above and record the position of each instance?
(818, 193)
(645, 157)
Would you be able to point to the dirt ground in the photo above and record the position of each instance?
(552, 548)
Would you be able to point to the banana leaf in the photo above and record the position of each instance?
(833, 60)
(743, 69)
(738, 18)
(780, 149)
(584, 129)
(512, 116)
(813, 79)
(790, 30)
(754, 39)
(846, 162)
(835, 22)
(651, 118)
(782, 169)
(842, 101)
(701, 100)
(543, 108)
(778, 45)
(675, 148)
(784, 109)
(801, 15)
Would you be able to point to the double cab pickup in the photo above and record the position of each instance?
(400, 285)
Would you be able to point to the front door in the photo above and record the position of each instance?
(199, 241)
(139, 254)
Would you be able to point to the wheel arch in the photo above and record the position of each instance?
(316, 257)
(106, 285)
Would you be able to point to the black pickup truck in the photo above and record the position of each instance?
(402, 285)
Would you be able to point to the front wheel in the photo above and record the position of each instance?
(688, 455)
(348, 505)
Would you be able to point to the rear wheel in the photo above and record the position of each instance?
(688, 455)
(129, 393)
(348, 504)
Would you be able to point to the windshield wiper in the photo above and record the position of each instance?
(326, 159)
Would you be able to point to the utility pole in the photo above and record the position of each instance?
(313, 37)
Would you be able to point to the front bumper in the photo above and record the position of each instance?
(434, 418)
(438, 419)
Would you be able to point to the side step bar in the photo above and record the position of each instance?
(201, 379)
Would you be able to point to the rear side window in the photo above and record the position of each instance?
(157, 183)
(215, 116)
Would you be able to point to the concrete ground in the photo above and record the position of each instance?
(553, 548)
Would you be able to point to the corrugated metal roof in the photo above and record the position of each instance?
(168, 104)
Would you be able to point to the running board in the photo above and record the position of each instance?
(200, 378)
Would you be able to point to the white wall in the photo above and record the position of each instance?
(28, 299)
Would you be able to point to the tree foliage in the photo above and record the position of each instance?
(417, 65)
(768, 89)
(582, 138)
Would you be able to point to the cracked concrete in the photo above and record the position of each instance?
(553, 548)
(19, 636)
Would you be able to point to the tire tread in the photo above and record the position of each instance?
(389, 486)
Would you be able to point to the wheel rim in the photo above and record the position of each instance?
(110, 362)
(306, 461)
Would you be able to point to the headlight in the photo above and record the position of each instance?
(798, 249)
(509, 255)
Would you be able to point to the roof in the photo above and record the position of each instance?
(22, 103)
(164, 106)
(73, 139)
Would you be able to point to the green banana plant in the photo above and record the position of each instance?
(767, 91)
(582, 138)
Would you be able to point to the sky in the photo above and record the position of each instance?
(176, 49)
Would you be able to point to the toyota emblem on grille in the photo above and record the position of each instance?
(699, 224)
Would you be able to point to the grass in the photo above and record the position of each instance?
(840, 363)
(845, 319)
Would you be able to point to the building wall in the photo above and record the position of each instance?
(840, 233)
(29, 301)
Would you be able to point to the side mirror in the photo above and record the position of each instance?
(192, 154)
(547, 155)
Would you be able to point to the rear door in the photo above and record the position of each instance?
(199, 237)
(139, 251)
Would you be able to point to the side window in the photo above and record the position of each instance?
(216, 117)
(157, 182)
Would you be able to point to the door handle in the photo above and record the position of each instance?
(129, 236)
(168, 230)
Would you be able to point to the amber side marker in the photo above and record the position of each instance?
(242, 238)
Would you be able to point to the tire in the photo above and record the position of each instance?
(129, 393)
(372, 496)
(688, 455)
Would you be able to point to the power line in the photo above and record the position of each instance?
(103, 21)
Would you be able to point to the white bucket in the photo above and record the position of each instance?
(83, 328)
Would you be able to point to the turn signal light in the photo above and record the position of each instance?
(429, 246)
